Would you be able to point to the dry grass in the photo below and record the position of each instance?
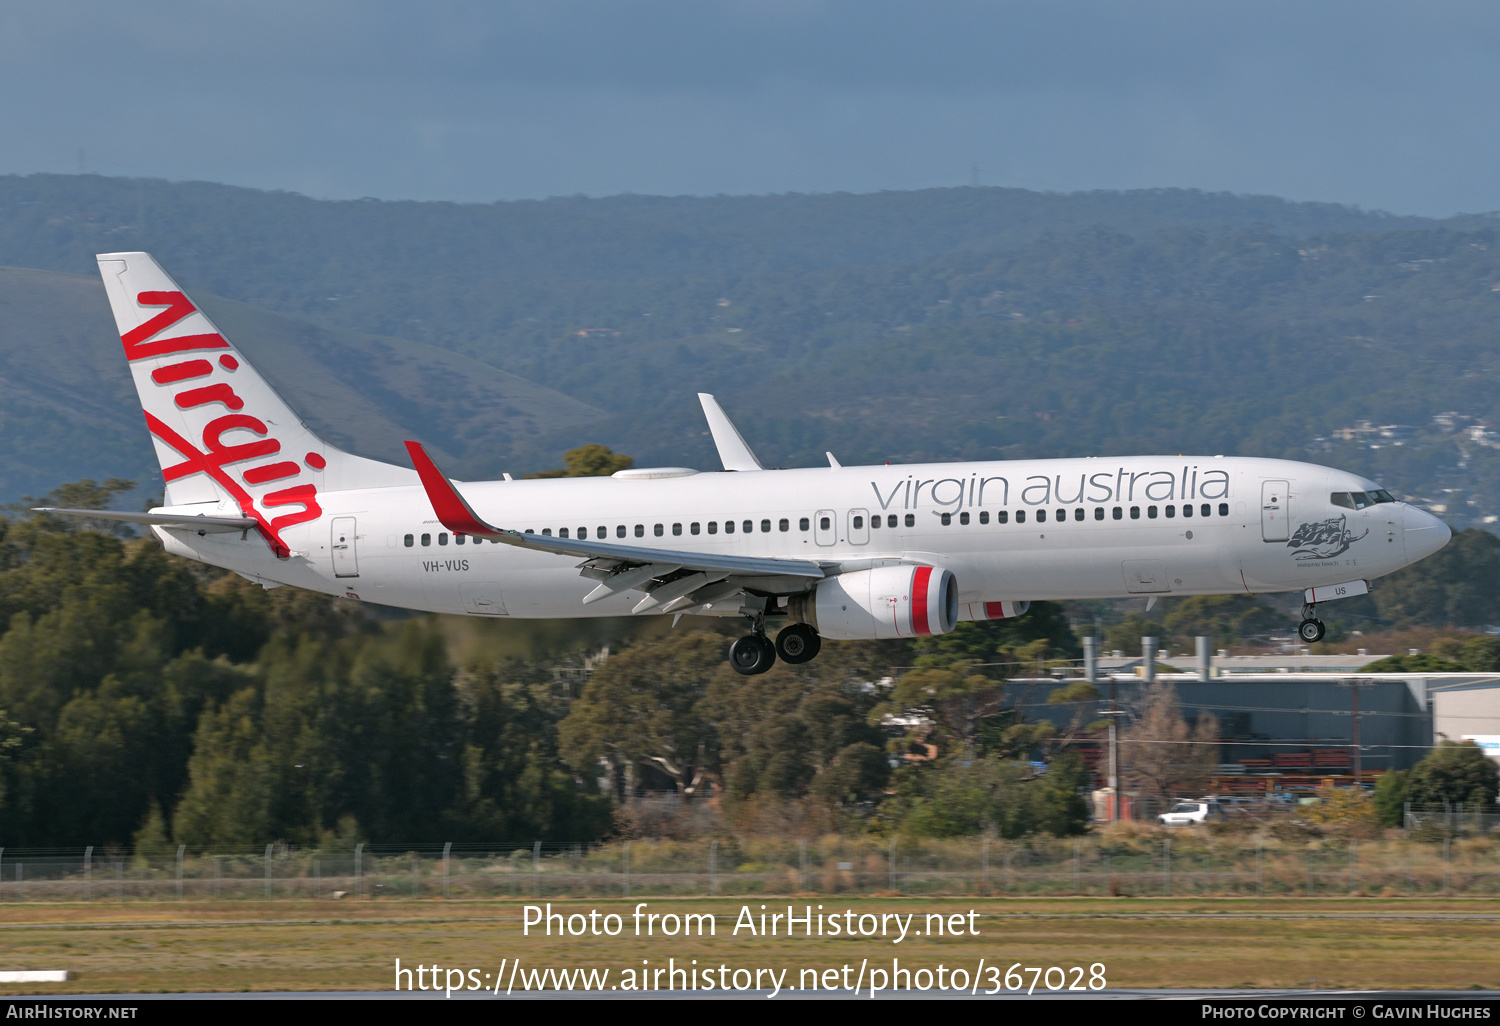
(353, 945)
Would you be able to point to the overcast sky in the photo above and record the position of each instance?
(1385, 105)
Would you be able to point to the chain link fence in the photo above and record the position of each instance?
(1180, 864)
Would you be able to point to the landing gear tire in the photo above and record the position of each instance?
(752, 654)
(798, 643)
(1310, 631)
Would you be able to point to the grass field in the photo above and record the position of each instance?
(1350, 943)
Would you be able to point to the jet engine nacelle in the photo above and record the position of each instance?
(992, 610)
(886, 602)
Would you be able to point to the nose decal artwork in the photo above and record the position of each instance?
(1324, 539)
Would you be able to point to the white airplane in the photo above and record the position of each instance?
(830, 552)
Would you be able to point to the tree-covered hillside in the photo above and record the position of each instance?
(946, 324)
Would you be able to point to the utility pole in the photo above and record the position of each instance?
(1354, 684)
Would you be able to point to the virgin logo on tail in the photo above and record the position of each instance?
(191, 388)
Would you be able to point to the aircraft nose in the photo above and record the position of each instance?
(1424, 533)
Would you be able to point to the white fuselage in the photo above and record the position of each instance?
(1269, 526)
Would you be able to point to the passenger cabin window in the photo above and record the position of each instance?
(804, 524)
(676, 530)
(963, 518)
(640, 530)
(729, 527)
(1171, 512)
(426, 539)
(765, 527)
(713, 527)
(947, 519)
(408, 541)
(1206, 510)
(1223, 509)
(1041, 516)
(1020, 516)
(458, 539)
(859, 522)
(562, 532)
(1002, 516)
(1118, 513)
(603, 532)
(546, 532)
(1151, 512)
(658, 530)
(749, 526)
(1135, 512)
(984, 516)
(583, 533)
(693, 527)
(875, 521)
(620, 531)
(1078, 513)
(443, 538)
(1098, 512)
(911, 520)
(1187, 509)
(824, 523)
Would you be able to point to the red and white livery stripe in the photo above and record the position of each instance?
(902, 601)
(993, 610)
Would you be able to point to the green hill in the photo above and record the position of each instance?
(944, 324)
(68, 409)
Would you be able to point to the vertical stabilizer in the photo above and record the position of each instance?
(222, 434)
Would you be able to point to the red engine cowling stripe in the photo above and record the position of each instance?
(920, 581)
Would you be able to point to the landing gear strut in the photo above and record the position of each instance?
(1310, 629)
(753, 653)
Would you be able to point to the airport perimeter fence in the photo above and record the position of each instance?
(1180, 864)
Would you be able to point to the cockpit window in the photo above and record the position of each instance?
(1360, 500)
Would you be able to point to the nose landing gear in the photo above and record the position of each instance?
(1310, 629)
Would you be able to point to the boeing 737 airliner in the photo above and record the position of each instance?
(830, 552)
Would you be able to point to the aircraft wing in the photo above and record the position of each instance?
(454, 512)
(188, 521)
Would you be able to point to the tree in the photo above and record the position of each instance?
(1227, 619)
(959, 797)
(1161, 753)
(643, 707)
(1042, 633)
(1459, 584)
(588, 461)
(1390, 798)
(1456, 772)
(1481, 655)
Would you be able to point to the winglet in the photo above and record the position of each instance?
(451, 509)
(733, 451)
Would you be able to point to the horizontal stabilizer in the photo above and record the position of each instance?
(457, 516)
(187, 521)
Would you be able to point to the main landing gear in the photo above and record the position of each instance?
(1310, 629)
(754, 653)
